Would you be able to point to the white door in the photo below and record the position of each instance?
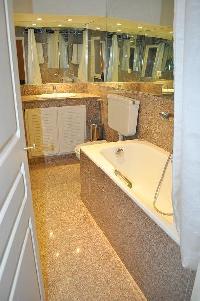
(20, 276)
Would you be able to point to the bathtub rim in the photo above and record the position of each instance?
(93, 152)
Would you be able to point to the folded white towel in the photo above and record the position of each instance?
(40, 53)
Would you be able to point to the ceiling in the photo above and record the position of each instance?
(93, 22)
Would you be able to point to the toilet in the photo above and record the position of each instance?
(78, 147)
(122, 117)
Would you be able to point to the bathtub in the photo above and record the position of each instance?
(136, 167)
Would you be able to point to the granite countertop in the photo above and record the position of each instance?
(58, 100)
(53, 97)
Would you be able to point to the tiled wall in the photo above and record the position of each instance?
(151, 126)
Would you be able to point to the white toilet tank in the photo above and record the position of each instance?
(123, 114)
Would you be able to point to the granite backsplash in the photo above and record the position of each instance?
(151, 126)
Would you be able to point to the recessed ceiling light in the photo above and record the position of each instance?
(140, 27)
(119, 24)
(69, 20)
(34, 24)
(119, 30)
(39, 19)
(59, 25)
(98, 28)
(171, 32)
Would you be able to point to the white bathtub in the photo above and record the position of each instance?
(142, 164)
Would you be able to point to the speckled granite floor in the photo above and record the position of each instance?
(78, 263)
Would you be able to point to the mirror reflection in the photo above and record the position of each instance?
(95, 51)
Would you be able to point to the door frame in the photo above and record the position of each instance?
(24, 56)
(13, 162)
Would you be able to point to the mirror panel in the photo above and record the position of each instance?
(97, 49)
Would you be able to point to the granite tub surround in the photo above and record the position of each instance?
(149, 254)
(78, 262)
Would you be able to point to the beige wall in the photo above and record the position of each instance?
(23, 6)
(144, 11)
(147, 11)
(167, 12)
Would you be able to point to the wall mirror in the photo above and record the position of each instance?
(115, 47)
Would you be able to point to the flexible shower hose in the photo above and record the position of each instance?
(159, 186)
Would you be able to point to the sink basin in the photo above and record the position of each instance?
(167, 90)
(57, 95)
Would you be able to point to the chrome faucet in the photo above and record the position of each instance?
(166, 115)
(119, 151)
(54, 89)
